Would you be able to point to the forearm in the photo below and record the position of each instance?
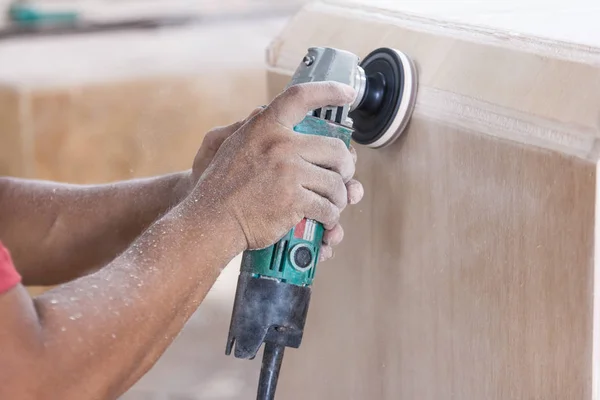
(74, 229)
(102, 329)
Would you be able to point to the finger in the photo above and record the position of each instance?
(325, 253)
(355, 191)
(326, 152)
(291, 106)
(325, 183)
(333, 237)
(353, 152)
(319, 209)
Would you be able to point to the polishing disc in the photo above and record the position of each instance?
(388, 99)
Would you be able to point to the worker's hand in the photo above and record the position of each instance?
(265, 177)
(334, 236)
(210, 145)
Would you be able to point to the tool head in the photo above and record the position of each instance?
(386, 97)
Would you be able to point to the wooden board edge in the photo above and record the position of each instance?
(484, 118)
(463, 31)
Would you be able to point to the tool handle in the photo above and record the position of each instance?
(293, 259)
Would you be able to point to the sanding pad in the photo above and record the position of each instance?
(388, 99)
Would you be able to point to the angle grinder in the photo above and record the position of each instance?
(274, 285)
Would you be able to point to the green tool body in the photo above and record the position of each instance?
(293, 259)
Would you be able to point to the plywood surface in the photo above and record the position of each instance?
(468, 270)
(13, 152)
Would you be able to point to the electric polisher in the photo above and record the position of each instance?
(274, 285)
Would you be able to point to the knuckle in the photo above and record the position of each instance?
(298, 96)
(262, 118)
(279, 148)
(212, 139)
(341, 195)
(348, 169)
(343, 158)
(338, 146)
(334, 215)
(336, 191)
(339, 150)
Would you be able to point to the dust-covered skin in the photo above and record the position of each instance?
(265, 173)
(75, 229)
(93, 337)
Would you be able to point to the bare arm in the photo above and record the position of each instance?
(88, 338)
(57, 232)
(93, 337)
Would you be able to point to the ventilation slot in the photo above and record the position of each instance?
(273, 258)
(338, 115)
(284, 249)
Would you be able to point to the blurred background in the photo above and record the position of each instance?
(103, 90)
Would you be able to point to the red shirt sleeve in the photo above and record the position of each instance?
(9, 277)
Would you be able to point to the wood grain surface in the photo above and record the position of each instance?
(468, 270)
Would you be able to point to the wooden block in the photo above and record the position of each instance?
(468, 271)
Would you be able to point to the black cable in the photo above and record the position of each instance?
(269, 372)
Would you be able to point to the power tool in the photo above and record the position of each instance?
(274, 285)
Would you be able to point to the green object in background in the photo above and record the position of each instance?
(22, 13)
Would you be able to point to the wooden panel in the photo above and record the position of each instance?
(468, 270)
(12, 143)
(120, 130)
